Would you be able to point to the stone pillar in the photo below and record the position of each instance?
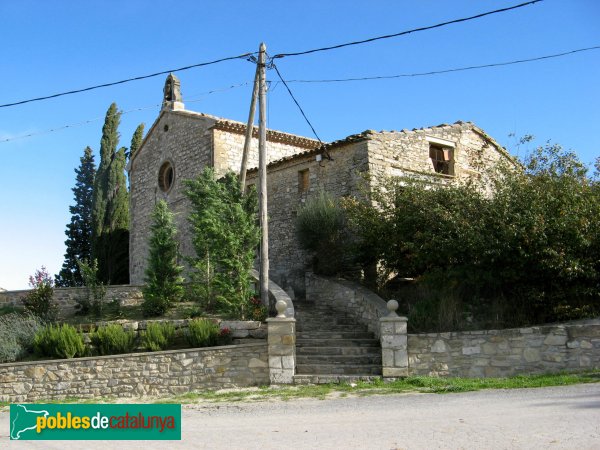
(394, 348)
(282, 346)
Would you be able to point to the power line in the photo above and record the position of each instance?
(296, 102)
(86, 122)
(402, 33)
(458, 69)
(142, 77)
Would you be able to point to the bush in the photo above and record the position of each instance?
(59, 341)
(113, 339)
(225, 236)
(529, 245)
(225, 336)
(39, 300)
(158, 336)
(202, 333)
(321, 228)
(95, 291)
(163, 275)
(17, 332)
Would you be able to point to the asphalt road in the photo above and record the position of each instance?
(554, 418)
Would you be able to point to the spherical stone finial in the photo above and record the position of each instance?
(281, 306)
(392, 306)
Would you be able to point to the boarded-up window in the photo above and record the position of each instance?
(442, 159)
(303, 181)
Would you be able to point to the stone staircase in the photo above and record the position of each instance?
(332, 347)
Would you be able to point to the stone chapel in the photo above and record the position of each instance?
(180, 143)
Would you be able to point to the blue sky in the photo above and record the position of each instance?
(57, 46)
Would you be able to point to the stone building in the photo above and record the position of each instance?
(181, 143)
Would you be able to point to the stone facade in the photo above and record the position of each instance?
(299, 168)
(135, 375)
(66, 298)
(503, 353)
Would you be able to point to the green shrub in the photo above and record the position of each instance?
(321, 228)
(39, 300)
(113, 339)
(93, 299)
(17, 332)
(202, 333)
(163, 274)
(59, 341)
(158, 336)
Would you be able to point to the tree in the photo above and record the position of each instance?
(79, 230)
(163, 274)
(136, 141)
(110, 216)
(526, 254)
(225, 237)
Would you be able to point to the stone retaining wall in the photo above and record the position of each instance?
(502, 353)
(137, 374)
(126, 295)
(363, 304)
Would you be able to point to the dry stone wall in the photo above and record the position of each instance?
(66, 298)
(502, 353)
(144, 374)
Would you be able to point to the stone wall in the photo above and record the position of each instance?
(190, 142)
(154, 374)
(340, 176)
(66, 298)
(361, 303)
(185, 140)
(502, 353)
(401, 153)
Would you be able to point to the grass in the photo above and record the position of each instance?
(380, 387)
(426, 385)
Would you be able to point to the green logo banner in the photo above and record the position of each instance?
(94, 422)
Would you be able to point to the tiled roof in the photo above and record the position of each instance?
(368, 133)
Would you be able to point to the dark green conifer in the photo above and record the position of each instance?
(111, 206)
(79, 230)
(163, 274)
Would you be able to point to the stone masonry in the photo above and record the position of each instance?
(503, 353)
(66, 298)
(298, 169)
(134, 375)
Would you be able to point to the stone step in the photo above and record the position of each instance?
(334, 335)
(306, 342)
(333, 369)
(303, 350)
(338, 359)
(308, 327)
(326, 379)
(326, 321)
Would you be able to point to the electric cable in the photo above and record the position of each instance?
(142, 77)
(458, 69)
(296, 101)
(402, 33)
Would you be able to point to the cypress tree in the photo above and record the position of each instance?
(111, 206)
(163, 275)
(79, 230)
(136, 140)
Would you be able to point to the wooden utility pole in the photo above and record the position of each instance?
(249, 129)
(262, 174)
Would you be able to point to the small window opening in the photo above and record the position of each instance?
(166, 176)
(442, 159)
(303, 181)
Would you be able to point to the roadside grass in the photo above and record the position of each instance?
(424, 385)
